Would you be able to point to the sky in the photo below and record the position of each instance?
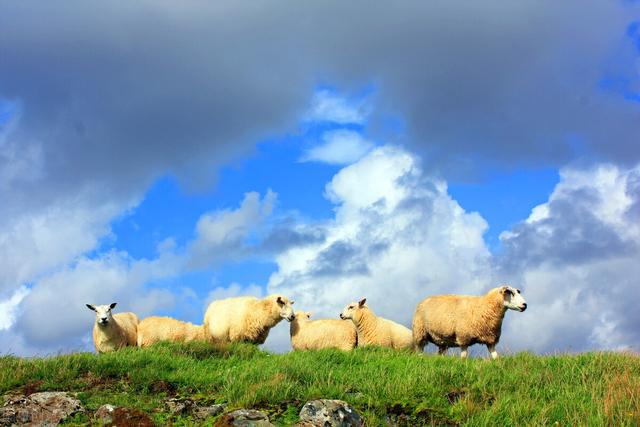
(162, 155)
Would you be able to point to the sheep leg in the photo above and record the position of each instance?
(442, 350)
(492, 351)
(463, 351)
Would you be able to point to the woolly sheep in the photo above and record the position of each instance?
(154, 329)
(464, 320)
(326, 333)
(111, 332)
(246, 319)
(374, 330)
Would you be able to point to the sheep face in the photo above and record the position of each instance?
(512, 298)
(350, 310)
(303, 315)
(286, 311)
(103, 313)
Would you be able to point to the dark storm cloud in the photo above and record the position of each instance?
(118, 93)
(284, 237)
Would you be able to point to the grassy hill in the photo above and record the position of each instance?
(524, 389)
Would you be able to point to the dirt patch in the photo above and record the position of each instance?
(162, 386)
(454, 395)
(124, 417)
(32, 387)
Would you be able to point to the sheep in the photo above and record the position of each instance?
(374, 330)
(326, 333)
(464, 320)
(245, 319)
(111, 332)
(155, 328)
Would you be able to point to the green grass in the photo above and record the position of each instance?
(523, 389)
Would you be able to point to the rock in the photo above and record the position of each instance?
(244, 418)
(329, 413)
(104, 414)
(203, 412)
(187, 406)
(180, 406)
(42, 409)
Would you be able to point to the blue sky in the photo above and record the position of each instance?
(395, 159)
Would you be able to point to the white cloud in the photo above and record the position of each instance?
(577, 258)
(222, 235)
(397, 236)
(339, 147)
(328, 106)
(36, 243)
(53, 314)
(9, 307)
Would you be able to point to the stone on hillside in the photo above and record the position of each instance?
(244, 418)
(203, 412)
(43, 409)
(179, 406)
(189, 407)
(329, 413)
(104, 414)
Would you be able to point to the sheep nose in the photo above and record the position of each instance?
(524, 306)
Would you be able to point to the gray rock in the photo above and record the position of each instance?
(329, 413)
(203, 412)
(104, 414)
(189, 407)
(244, 418)
(42, 409)
(180, 406)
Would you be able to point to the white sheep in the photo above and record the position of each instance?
(245, 319)
(464, 320)
(155, 329)
(325, 333)
(374, 330)
(111, 332)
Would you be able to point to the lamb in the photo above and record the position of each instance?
(464, 320)
(155, 328)
(111, 332)
(326, 333)
(245, 319)
(374, 330)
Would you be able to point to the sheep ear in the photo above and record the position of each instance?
(362, 301)
(279, 301)
(112, 305)
(506, 291)
(291, 302)
(91, 307)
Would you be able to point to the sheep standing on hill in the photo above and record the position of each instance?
(374, 330)
(154, 329)
(113, 331)
(464, 320)
(245, 319)
(325, 333)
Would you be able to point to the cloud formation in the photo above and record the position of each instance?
(576, 257)
(339, 147)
